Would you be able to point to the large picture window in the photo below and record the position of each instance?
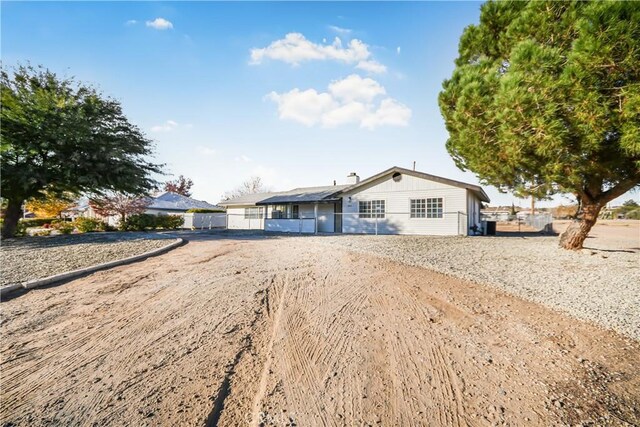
(426, 208)
(371, 209)
(253, 213)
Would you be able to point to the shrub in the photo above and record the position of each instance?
(143, 222)
(196, 210)
(634, 214)
(42, 233)
(89, 225)
(169, 222)
(36, 222)
(63, 227)
(138, 222)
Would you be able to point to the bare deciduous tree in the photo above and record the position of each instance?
(253, 185)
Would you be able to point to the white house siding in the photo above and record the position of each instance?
(397, 196)
(300, 225)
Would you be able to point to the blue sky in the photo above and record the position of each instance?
(233, 90)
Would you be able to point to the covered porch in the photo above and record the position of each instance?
(305, 217)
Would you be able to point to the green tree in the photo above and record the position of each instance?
(545, 99)
(61, 136)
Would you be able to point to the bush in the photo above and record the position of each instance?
(89, 225)
(42, 233)
(151, 222)
(63, 227)
(139, 222)
(196, 210)
(635, 214)
(169, 222)
(36, 222)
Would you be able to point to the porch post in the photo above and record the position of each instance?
(315, 214)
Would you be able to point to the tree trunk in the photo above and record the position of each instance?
(575, 235)
(11, 217)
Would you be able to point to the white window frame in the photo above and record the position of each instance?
(428, 212)
(370, 213)
(258, 215)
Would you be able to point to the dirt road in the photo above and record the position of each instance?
(291, 331)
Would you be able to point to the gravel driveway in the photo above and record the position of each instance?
(38, 257)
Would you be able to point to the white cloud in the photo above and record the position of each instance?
(347, 101)
(340, 30)
(306, 107)
(205, 151)
(294, 48)
(372, 67)
(353, 112)
(354, 88)
(398, 50)
(243, 158)
(167, 126)
(160, 24)
(131, 22)
(389, 113)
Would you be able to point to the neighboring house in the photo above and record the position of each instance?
(396, 201)
(165, 204)
(173, 203)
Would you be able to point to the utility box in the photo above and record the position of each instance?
(491, 228)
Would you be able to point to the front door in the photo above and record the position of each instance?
(338, 217)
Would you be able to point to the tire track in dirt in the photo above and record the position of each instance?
(262, 386)
(228, 333)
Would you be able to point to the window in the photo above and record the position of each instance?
(418, 208)
(426, 208)
(285, 212)
(252, 213)
(371, 209)
(279, 211)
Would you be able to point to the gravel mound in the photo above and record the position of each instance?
(598, 285)
(38, 257)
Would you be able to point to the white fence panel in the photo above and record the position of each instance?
(205, 220)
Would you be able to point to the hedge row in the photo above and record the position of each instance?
(196, 210)
(151, 222)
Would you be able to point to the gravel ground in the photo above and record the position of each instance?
(599, 285)
(38, 257)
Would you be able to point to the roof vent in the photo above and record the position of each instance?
(353, 178)
(397, 176)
